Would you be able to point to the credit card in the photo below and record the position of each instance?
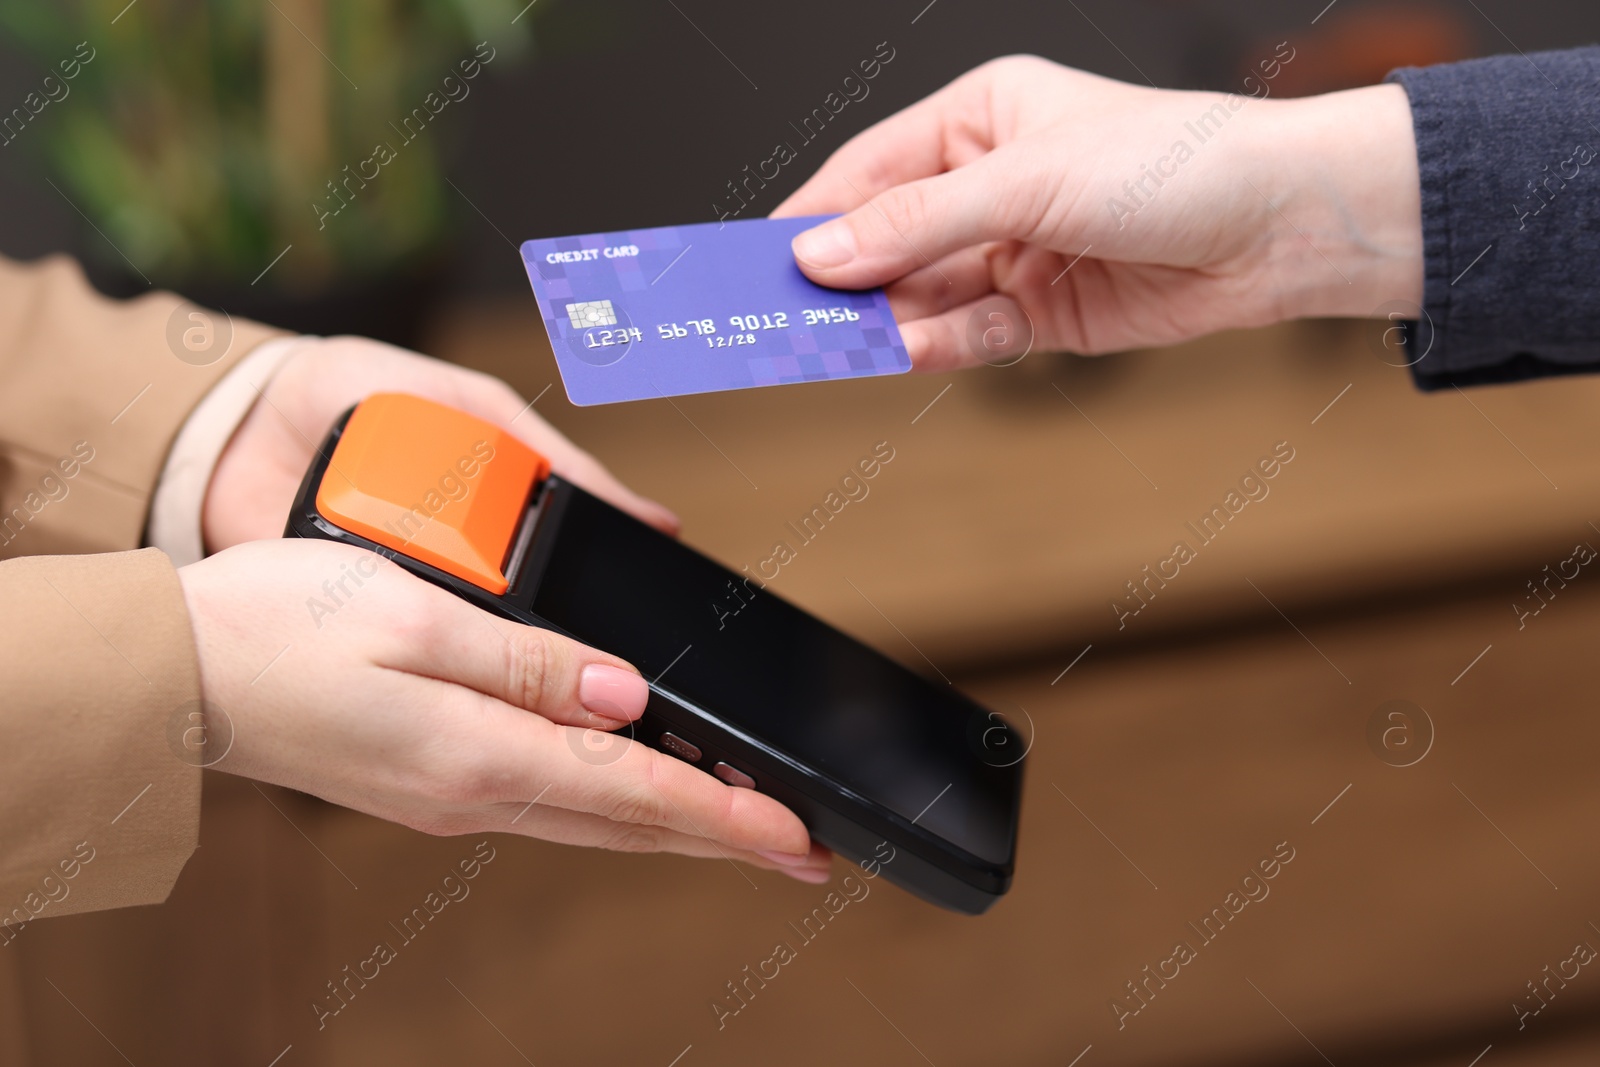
(640, 314)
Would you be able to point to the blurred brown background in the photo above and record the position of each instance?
(1438, 868)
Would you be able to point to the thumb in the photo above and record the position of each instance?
(911, 226)
(530, 668)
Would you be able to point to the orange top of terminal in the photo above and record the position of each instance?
(434, 483)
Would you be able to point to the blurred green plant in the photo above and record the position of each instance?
(204, 132)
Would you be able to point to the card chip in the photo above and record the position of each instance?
(591, 313)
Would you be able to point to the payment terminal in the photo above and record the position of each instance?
(880, 763)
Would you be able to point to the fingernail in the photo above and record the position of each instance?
(612, 693)
(785, 858)
(669, 518)
(830, 245)
(808, 875)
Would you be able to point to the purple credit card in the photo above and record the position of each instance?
(640, 314)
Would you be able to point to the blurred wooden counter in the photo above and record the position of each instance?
(1020, 503)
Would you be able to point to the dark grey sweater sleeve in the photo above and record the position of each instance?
(1509, 149)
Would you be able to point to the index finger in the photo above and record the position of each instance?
(651, 788)
(628, 782)
(936, 134)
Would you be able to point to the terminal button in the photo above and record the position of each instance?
(733, 776)
(680, 748)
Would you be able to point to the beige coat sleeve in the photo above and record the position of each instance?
(97, 658)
